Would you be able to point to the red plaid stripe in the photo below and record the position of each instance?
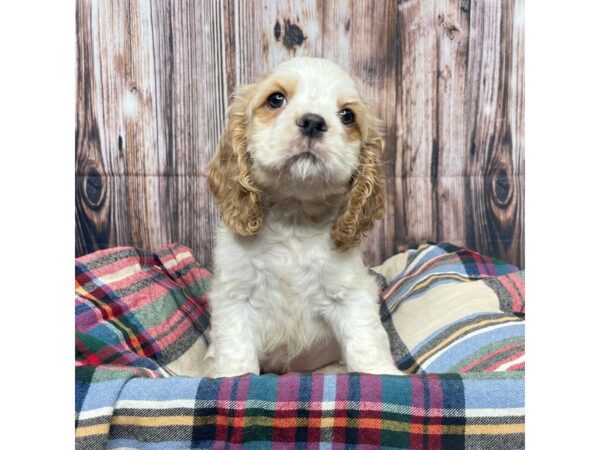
(426, 413)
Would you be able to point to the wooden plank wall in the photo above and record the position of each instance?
(446, 76)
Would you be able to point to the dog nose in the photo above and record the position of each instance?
(312, 125)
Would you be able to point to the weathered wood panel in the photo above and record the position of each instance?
(494, 186)
(448, 175)
(446, 76)
(416, 143)
(152, 91)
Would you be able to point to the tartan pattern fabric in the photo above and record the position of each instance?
(487, 334)
(305, 411)
(142, 318)
(139, 309)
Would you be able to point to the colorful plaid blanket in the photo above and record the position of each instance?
(455, 320)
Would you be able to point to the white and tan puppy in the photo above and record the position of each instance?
(298, 181)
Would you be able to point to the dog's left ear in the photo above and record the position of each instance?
(365, 202)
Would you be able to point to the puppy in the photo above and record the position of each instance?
(298, 181)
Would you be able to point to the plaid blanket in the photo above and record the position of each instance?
(455, 320)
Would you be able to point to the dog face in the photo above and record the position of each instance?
(304, 137)
(300, 131)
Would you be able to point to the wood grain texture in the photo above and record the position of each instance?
(416, 143)
(446, 76)
(152, 83)
(495, 183)
(270, 32)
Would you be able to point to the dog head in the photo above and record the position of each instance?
(301, 131)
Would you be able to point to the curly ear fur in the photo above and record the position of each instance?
(365, 203)
(229, 174)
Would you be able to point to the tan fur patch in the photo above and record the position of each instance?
(354, 132)
(262, 113)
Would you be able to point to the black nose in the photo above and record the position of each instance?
(312, 125)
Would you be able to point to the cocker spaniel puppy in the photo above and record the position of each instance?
(298, 181)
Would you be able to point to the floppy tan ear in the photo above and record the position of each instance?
(365, 202)
(229, 174)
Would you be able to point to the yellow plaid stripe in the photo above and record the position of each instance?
(303, 422)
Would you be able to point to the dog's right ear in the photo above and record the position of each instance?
(229, 174)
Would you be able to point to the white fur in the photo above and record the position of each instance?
(284, 299)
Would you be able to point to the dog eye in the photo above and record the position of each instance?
(346, 116)
(276, 100)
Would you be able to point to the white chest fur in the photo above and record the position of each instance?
(283, 282)
(284, 300)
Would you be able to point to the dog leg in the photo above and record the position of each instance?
(232, 349)
(354, 317)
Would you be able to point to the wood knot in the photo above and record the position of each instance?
(502, 188)
(450, 29)
(293, 36)
(94, 189)
(277, 31)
